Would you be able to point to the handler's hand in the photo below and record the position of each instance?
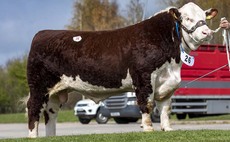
(224, 24)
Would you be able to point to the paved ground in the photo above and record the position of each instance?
(20, 130)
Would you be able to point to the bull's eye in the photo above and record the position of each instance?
(189, 19)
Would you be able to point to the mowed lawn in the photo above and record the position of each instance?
(158, 136)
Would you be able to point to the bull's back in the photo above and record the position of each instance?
(96, 57)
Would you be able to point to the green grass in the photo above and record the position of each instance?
(13, 118)
(63, 116)
(158, 136)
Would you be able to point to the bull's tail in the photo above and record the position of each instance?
(23, 102)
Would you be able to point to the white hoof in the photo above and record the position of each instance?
(148, 129)
(32, 135)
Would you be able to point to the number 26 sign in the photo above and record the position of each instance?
(187, 59)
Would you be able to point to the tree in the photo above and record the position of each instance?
(13, 85)
(4, 98)
(135, 12)
(18, 86)
(96, 15)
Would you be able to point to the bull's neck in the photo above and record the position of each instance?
(186, 46)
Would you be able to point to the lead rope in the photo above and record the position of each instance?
(226, 35)
(186, 85)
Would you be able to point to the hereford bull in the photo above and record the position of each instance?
(144, 58)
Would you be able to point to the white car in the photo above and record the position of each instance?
(86, 110)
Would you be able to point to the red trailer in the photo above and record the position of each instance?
(208, 95)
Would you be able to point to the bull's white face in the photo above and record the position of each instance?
(193, 17)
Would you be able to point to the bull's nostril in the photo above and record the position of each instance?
(205, 33)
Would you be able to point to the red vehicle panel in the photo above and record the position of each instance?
(207, 95)
(207, 59)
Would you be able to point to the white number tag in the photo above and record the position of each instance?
(187, 59)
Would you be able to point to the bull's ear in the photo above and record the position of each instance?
(211, 13)
(176, 14)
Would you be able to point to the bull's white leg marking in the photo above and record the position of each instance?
(51, 125)
(146, 122)
(52, 111)
(164, 109)
(34, 132)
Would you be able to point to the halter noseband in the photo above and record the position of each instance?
(198, 24)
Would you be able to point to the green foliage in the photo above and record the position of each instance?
(4, 98)
(13, 85)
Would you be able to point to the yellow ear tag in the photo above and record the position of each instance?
(209, 17)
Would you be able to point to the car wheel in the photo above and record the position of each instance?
(84, 120)
(100, 118)
(120, 120)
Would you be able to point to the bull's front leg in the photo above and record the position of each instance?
(164, 109)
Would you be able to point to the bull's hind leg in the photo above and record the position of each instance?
(51, 111)
(164, 109)
(50, 115)
(35, 107)
(146, 120)
(143, 92)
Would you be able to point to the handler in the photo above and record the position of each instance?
(224, 24)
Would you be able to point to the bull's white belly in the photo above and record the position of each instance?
(165, 80)
(94, 92)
